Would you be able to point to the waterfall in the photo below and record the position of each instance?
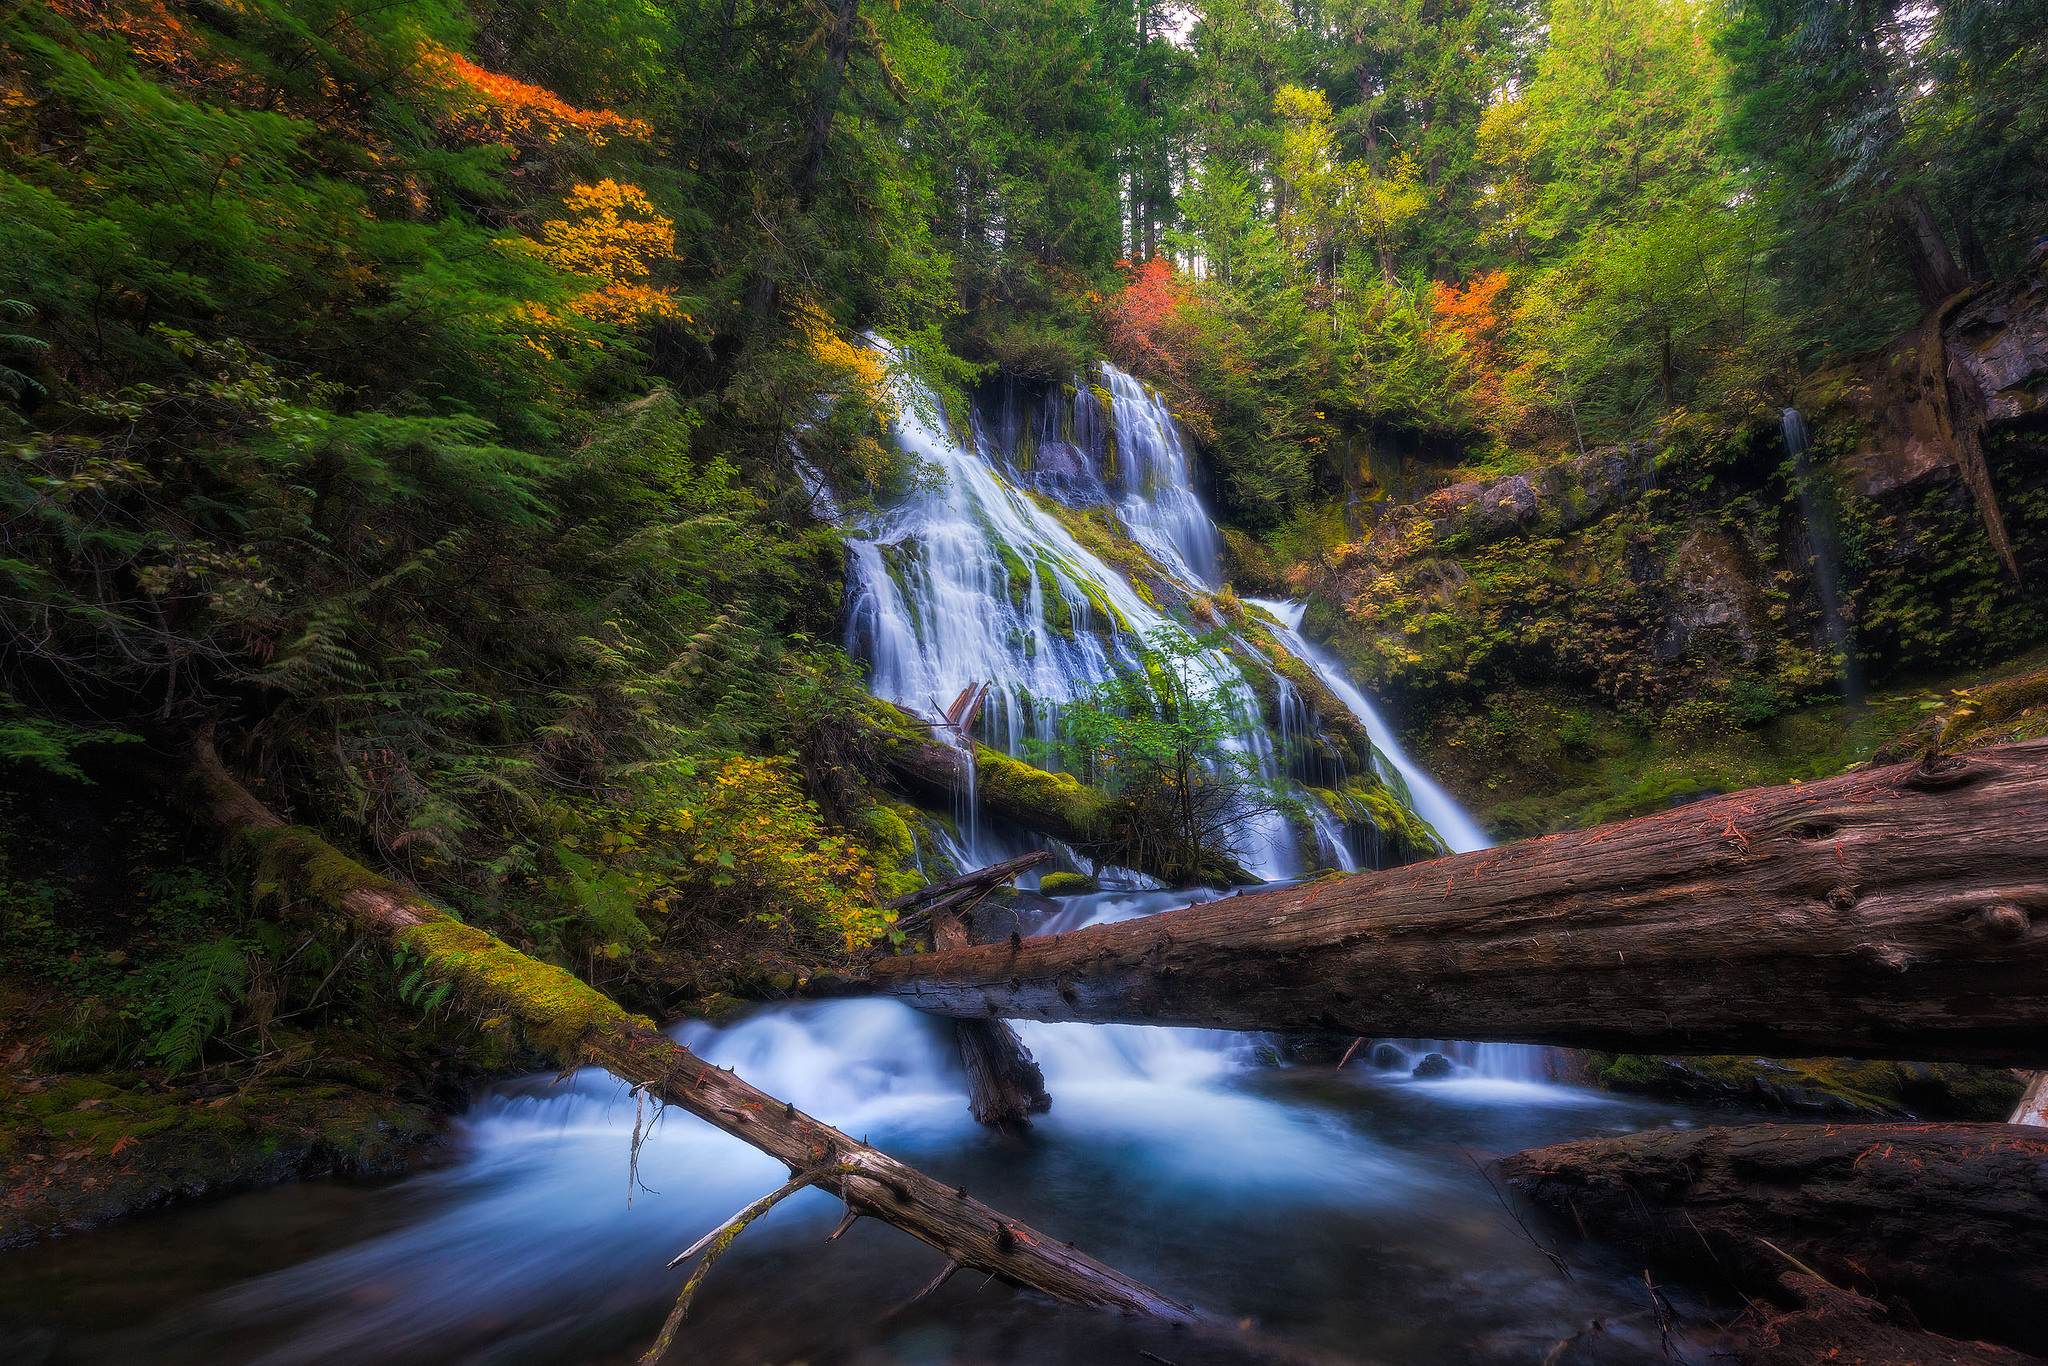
(974, 582)
(1820, 535)
(1159, 505)
(1402, 773)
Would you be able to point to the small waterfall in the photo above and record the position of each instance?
(1159, 504)
(1430, 801)
(1820, 535)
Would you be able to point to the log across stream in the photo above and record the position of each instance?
(1336, 1210)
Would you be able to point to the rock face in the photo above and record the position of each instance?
(1950, 1219)
(1997, 346)
(1559, 497)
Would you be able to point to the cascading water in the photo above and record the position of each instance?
(974, 582)
(1820, 536)
(1430, 801)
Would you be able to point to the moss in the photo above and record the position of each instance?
(1817, 1085)
(1400, 834)
(1067, 884)
(1058, 803)
(558, 1011)
(1102, 536)
(1019, 574)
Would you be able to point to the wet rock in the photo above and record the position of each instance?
(1389, 1057)
(1067, 884)
(1710, 597)
(1432, 1065)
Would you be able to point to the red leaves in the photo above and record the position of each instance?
(1147, 333)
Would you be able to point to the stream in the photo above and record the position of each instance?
(1341, 1210)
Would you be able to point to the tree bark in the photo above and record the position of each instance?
(1004, 1085)
(1935, 272)
(1950, 1218)
(1901, 913)
(578, 1025)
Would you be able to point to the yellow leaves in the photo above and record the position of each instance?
(744, 836)
(613, 236)
(859, 369)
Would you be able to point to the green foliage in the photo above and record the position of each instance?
(1155, 737)
(194, 998)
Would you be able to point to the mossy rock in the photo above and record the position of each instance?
(1067, 884)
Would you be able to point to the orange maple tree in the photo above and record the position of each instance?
(487, 107)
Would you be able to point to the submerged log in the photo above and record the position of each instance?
(1004, 1085)
(577, 1025)
(1896, 913)
(1951, 1220)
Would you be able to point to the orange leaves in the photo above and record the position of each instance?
(1143, 320)
(487, 107)
(1502, 388)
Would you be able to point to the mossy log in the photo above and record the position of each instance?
(1895, 913)
(578, 1026)
(1950, 1219)
(1055, 804)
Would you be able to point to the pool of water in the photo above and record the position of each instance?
(1343, 1213)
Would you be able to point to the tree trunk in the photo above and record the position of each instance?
(1950, 1218)
(1898, 913)
(818, 140)
(1935, 272)
(1004, 1085)
(577, 1025)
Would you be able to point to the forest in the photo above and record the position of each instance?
(1124, 601)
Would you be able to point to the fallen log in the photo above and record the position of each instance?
(1895, 913)
(1004, 1086)
(1949, 1219)
(956, 895)
(577, 1025)
(902, 746)
(1833, 1326)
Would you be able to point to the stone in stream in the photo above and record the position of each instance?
(1433, 1065)
(1389, 1057)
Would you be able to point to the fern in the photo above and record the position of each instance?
(205, 985)
(14, 384)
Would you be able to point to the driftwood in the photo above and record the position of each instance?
(1896, 913)
(1949, 1221)
(577, 1025)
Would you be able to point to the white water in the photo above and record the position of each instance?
(1430, 801)
(974, 583)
